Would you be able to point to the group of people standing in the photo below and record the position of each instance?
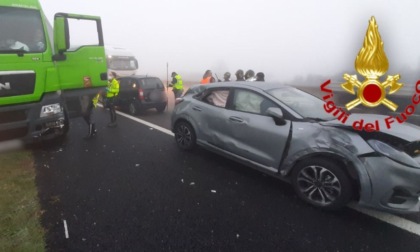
(240, 76)
(178, 87)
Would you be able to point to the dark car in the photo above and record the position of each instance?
(139, 92)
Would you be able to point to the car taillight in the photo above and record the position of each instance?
(178, 100)
(141, 94)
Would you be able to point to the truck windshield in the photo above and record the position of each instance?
(122, 63)
(21, 30)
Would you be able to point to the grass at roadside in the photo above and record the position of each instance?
(20, 228)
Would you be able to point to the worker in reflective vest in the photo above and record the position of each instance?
(111, 98)
(177, 85)
(208, 77)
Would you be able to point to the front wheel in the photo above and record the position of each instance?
(185, 136)
(322, 183)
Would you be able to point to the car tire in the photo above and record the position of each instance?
(322, 183)
(161, 107)
(133, 108)
(185, 136)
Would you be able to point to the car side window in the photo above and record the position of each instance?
(154, 83)
(251, 102)
(216, 97)
(142, 84)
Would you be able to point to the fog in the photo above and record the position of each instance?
(296, 42)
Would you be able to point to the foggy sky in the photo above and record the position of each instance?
(287, 40)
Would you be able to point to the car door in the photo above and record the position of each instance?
(208, 111)
(249, 132)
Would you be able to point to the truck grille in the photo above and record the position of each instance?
(14, 83)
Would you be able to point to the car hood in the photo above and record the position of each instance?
(405, 131)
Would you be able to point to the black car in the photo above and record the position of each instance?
(139, 92)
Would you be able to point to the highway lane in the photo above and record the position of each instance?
(131, 189)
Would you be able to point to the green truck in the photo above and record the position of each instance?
(46, 72)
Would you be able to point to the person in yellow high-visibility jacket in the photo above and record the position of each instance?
(177, 85)
(111, 95)
(88, 102)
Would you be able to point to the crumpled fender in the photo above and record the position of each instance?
(310, 139)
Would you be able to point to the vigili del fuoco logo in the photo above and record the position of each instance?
(371, 63)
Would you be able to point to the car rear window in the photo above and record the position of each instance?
(153, 83)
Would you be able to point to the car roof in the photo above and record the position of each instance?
(137, 77)
(253, 84)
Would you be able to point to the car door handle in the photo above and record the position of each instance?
(236, 119)
(197, 108)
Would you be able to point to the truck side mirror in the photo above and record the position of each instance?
(61, 33)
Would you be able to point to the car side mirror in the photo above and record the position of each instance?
(277, 115)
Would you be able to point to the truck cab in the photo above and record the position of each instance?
(121, 61)
(45, 71)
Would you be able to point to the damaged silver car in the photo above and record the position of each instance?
(286, 133)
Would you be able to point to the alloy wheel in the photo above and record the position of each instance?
(319, 185)
(184, 136)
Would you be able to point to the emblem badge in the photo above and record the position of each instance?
(372, 63)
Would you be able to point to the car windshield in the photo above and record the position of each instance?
(21, 30)
(307, 105)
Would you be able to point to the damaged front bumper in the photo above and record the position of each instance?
(49, 128)
(394, 187)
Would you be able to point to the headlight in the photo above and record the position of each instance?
(392, 153)
(50, 109)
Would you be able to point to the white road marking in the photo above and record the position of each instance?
(394, 220)
(389, 218)
(166, 131)
(66, 231)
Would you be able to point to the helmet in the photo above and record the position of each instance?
(239, 75)
(260, 76)
(227, 75)
(249, 74)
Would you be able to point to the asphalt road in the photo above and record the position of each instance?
(131, 189)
